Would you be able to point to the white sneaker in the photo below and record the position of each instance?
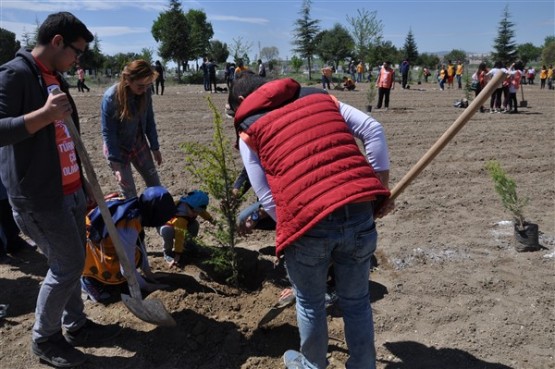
(295, 360)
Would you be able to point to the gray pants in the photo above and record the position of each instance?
(168, 235)
(60, 235)
(144, 164)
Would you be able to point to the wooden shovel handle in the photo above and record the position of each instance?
(448, 135)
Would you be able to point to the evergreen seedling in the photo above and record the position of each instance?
(468, 93)
(213, 165)
(506, 188)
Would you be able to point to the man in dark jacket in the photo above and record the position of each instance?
(405, 68)
(40, 170)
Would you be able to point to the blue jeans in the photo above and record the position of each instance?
(266, 223)
(60, 235)
(442, 84)
(347, 238)
(206, 82)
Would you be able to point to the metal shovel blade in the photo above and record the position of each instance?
(276, 309)
(151, 311)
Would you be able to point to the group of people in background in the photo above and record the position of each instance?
(447, 74)
(208, 68)
(504, 98)
(546, 77)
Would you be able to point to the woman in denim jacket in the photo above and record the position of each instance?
(129, 129)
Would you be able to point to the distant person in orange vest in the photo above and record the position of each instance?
(360, 72)
(543, 77)
(450, 74)
(385, 83)
(442, 76)
(458, 73)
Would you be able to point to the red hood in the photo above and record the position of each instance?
(267, 97)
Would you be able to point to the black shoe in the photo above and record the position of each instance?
(92, 334)
(57, 352)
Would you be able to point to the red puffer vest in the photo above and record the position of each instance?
(311, 160)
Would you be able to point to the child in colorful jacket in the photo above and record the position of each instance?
(179, 231)
(102, 272)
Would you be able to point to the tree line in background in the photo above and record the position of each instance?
(188, 37)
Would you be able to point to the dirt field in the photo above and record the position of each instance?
(450, 291)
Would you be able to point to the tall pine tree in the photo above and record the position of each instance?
(306, 30)
(505, 46)
(171, 29)
(409, 49)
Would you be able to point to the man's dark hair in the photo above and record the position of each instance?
(64, 24)
(244, 83)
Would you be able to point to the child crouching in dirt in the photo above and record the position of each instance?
(178, 233)
(103, 273)
(348, 84)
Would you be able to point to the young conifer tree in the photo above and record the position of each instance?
(214, 167)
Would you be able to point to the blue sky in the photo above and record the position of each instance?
(124, 25)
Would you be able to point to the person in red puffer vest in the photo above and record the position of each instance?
(298, 147)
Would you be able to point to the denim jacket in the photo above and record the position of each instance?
(121, 135)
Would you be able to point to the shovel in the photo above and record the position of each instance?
(523, 103)
(151, 311)
(276, 309)
(447, 136)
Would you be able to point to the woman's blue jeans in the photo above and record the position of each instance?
(346, 238)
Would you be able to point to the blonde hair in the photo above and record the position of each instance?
(135, 70)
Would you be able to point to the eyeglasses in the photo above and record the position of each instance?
(78, 52)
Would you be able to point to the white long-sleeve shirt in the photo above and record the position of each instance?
(363, 127)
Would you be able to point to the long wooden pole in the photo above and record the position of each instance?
(448, 135)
